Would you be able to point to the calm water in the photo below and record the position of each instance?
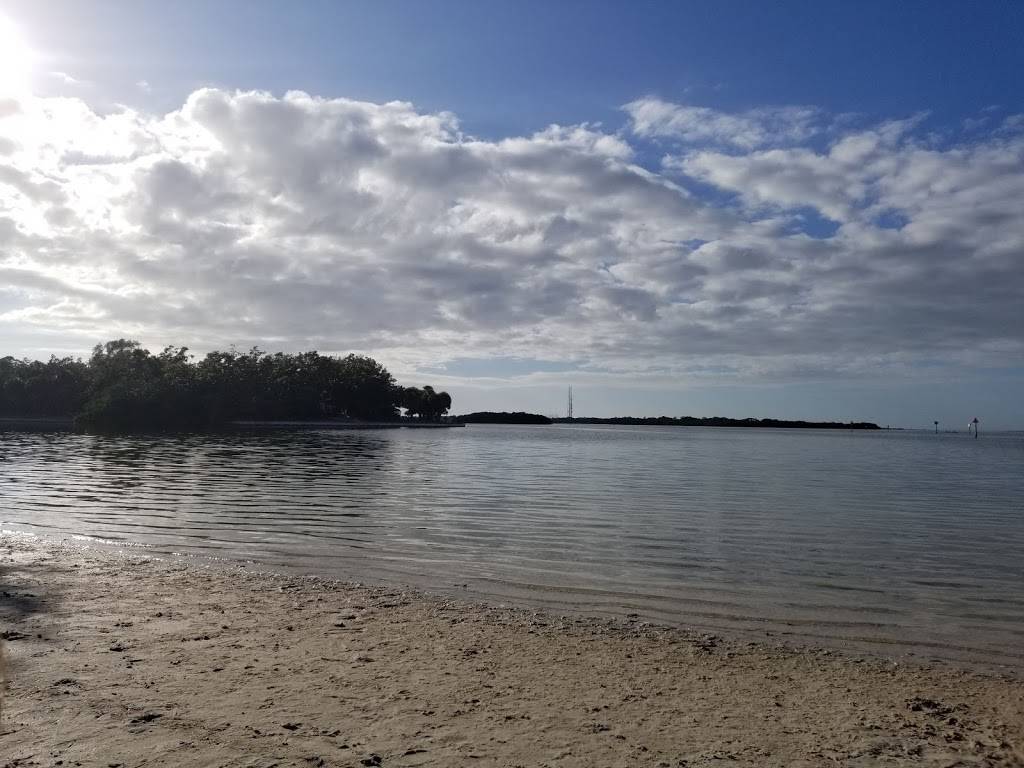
(900, 542)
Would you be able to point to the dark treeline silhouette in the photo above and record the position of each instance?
(425, 402)
(718, 421)
(125, 387)
(492, 417)
(32, 389)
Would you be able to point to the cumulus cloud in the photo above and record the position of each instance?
(941, 216)
(298, 222)
(651, 117)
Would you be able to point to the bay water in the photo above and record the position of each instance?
(892, 542)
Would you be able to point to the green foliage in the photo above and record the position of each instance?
(125, 387)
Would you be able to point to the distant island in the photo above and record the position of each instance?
(124, 387)
(503, 417)
(716, 421)
(520, 417)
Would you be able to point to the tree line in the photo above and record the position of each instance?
(123, 386)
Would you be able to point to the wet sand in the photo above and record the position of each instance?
(116, 658)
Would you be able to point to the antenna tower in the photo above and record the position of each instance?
(569, 409)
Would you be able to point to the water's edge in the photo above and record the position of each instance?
(851, 541)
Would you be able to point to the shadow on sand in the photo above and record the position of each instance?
(26, 593)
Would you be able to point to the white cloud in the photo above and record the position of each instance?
(303, 222)
(65, 79)
(964, 194)
(653, 118)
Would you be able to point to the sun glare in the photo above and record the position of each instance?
(15, 60)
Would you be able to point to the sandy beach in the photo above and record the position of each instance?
(119, 659)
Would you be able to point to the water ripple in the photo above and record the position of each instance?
(891, 540)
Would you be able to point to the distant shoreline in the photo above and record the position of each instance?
(484, 417)
(68, 425)
(715, 421)
(521, 417)
(327, 424)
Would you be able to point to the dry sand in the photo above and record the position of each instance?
(123, 660)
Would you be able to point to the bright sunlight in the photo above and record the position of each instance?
(15, 60)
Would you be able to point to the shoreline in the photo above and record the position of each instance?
(68, 425)
(896, 644)
(233, 665)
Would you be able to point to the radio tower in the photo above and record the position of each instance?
(569, 409)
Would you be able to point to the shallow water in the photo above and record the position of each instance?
(892, 541)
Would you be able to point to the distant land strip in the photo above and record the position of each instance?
(715, 421)
(502, 417)
(520, 417)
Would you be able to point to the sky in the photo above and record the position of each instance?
(792, 210)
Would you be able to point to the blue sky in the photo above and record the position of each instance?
(513, 67)
(798, 209)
